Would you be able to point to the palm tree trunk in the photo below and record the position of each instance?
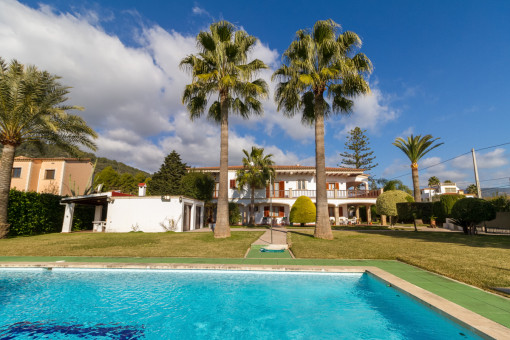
(416, 182)
(322, 225)
(252, 207)
(6, 162)
(222, 229)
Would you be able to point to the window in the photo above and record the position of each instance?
(450, 190)
(16, 172)
(49, 174)
(301, 184)
(232, 184)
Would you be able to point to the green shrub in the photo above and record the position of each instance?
(302, 211)
(234, 214)
(387, 202)
(408, 211)
(83, 217)
(30, 213)
(197, 185)
(468, 212)
(447, 203)
(500, 203)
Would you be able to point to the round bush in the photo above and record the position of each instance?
(387, 201)
(468, 212)
(302, 211)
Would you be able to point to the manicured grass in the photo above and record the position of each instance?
(131, 244)
(480, 260)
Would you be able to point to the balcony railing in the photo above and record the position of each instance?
(332, 194)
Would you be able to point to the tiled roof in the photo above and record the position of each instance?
(24, 158)
(281, 167)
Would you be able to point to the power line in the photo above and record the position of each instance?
(450, 159)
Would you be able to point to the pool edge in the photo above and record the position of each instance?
(480, 325)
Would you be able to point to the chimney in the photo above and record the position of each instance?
(142, 188)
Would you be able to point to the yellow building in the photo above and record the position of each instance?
(51, 175)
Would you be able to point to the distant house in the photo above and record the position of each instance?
(51, 175)
(427, 194)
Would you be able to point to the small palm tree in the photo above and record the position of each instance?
(415, 147)
(222, 67)
(433, 181)
(256, 172)
(32, 110)
(321, 64)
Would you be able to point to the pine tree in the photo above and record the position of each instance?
(167, 181)
(359, 153)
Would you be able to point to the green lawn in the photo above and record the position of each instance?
(481, 260)
(131, 244)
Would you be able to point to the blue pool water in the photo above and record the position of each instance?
(152, 304)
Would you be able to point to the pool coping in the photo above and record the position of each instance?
(476, 323)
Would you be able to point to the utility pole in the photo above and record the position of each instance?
(477, 180)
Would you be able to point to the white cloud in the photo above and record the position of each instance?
(489, 160)
(370, 112)
(132, 94)
(199, 11)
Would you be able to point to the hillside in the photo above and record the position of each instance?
(29, 150)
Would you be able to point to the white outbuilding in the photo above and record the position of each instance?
(119, 213)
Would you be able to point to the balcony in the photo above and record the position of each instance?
(332, 194)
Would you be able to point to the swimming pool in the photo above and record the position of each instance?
(205, 304)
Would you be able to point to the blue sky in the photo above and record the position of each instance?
(440, 68)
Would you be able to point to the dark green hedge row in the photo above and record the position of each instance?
(425, 210)
(30, 213)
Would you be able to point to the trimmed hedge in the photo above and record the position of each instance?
(30, 213)
(302, 211)
(407, 211)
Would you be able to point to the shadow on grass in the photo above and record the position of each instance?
(481, 241)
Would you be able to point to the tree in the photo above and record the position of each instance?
(415, 147)
(109, 178)
(167, 181)
(303, 211)
(448, 182)
(33, 110)
(472, 189)
(319, 63)
(387, 202)
(434, 181)
(394, 184)
(198, 185)
(221, 67)
(360, 155)
(468, 212)
(256, 172)
(234, 214)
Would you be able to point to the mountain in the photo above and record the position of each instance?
(48, 151)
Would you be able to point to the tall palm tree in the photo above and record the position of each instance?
(256, 172)
(415, 147)
(321, 64)
(32, 109)
(222, 67)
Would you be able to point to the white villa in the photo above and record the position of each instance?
(427, 194)
(346, 188)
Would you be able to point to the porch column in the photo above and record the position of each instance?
(337, 217)
(369, 213)
(366, 186)
(98, 212)
(357, 213)
(67, 224)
